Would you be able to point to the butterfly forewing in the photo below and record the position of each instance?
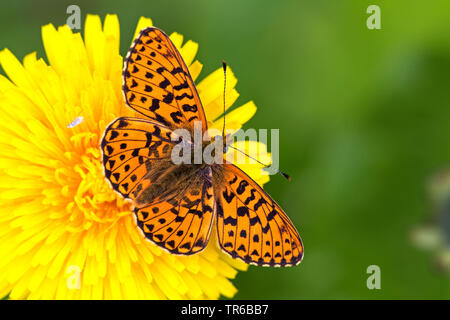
(251, 226)
(181, 224)
(157, 82)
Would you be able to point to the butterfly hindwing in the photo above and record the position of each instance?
(182, 224)
(251, 226)
(130, 147)
(157, 82)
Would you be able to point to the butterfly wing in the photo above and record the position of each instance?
(157, 82)
(180, 224)
(251, 226)
(130, 149)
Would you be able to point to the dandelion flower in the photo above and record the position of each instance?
(59, 218)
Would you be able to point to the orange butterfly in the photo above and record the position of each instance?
(175, 205)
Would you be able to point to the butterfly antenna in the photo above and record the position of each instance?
(224, 66)
(265, 165)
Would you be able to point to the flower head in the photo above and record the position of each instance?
(59, 218)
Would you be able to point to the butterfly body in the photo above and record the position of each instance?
(178, 204)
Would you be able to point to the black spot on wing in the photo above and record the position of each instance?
(184, 85)
(184, 95)
(113, 135)
(230, 220)
(228, 197)
(176, 116)
(242, 211)
(164, 84)
(241, 188)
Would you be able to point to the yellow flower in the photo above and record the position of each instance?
(64, 233)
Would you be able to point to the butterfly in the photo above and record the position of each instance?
(177, 205)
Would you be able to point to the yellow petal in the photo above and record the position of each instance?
(95, 43)
(211, 88)
(112, 31)
(177, 39)
(143, 23)
(194, 69)
(189, 51)
(14, 70)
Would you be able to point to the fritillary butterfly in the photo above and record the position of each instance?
(176, 206)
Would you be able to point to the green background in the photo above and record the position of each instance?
(364, 119)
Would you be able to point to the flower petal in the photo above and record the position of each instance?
(143, 23)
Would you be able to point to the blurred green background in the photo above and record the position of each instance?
(364, 119)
